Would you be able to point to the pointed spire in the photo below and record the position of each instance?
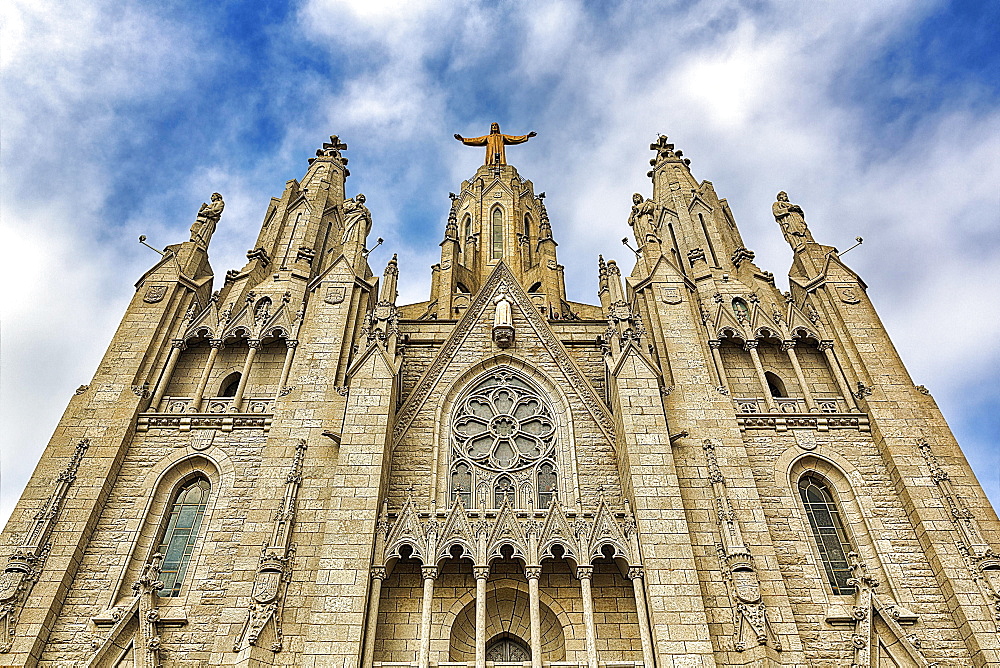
(544, 227)
(615, 282)
(389, 291)
(602, 273)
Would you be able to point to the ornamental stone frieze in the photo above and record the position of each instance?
(485, 535)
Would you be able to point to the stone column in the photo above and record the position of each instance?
(378, 574)
(253, 345)
(534, 614)
(838, 373)
(199, 394)
(430, 574)
(584, 574)
(789, 347)
(289, 356)
(635, 574)
(720, 369)
(482, 573)
(751, 347)
(161, 387)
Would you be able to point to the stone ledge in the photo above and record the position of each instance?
(225, 422)
(816, 421)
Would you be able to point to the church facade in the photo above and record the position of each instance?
(285, 467)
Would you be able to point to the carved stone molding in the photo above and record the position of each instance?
(25, 563)
(270, 584)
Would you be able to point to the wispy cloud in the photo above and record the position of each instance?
(119, 121)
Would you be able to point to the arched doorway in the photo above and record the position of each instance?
(508, 648)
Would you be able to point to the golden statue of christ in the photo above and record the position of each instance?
(495, 143)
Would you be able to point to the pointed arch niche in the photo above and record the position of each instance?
(505, 431)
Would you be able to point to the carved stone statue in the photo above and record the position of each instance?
(642, 218)
(503, 320)
(495, 143)
(792, 220)
(354, 212)
(208, 218)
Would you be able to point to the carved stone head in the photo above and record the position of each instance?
(494, 128)
(637, 199)
(782, 196)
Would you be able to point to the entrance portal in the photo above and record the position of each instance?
(507, 648)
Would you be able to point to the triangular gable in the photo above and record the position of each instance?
(725, 319)
(373, 349)
(406, 530)
(507, 531)
(122, 636)
(474, 315)
(458, 531)
(606, 531)
(557, 531)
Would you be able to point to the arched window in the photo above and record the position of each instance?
(775, 384)
(467, 224)
(527, 226)
(497, 235)
(461, 484)
(262, 311)
(504, 491)
(828, 532)
(503, 434)
(181, 533)
(229, 385)
(741, 309)
(546, 484)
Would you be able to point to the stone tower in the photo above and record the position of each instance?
(290, 469)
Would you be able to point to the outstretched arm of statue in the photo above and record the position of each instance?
(518, 139)
(472, 141)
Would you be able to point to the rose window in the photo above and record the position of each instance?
(502, 434)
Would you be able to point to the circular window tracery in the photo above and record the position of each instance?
(503, 434)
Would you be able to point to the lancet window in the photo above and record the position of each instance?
(181, 533)
(497, 233)
(828, 532)
(503, 445)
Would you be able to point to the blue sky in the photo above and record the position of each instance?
(881, 119)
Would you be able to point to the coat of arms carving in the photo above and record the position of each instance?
(155, 293)
(334, 294)
(671, 294)
(849, 296)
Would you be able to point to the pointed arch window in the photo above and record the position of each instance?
(503, 434)
(180, 535)
(497, 233)
(828, 532)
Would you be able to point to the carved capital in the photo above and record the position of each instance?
(291, 343)
(532, 572)
(751, 345)
(825, 345)
(584, 572)
(378, 573)
(179, 343)
(635, 573)
(787, 345)
(216, 343)
(253, 343)
(481, 572)
(715, 344)
(430, 572)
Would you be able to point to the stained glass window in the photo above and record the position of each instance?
(181, 534)
(828, 532)
(503, 439)
(497, 233)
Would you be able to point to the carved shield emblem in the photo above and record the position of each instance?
(10, 582)
(671, 294)
(334, 294)
(155, 293)
(849, 296)
(265, 586)
(746, 585)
